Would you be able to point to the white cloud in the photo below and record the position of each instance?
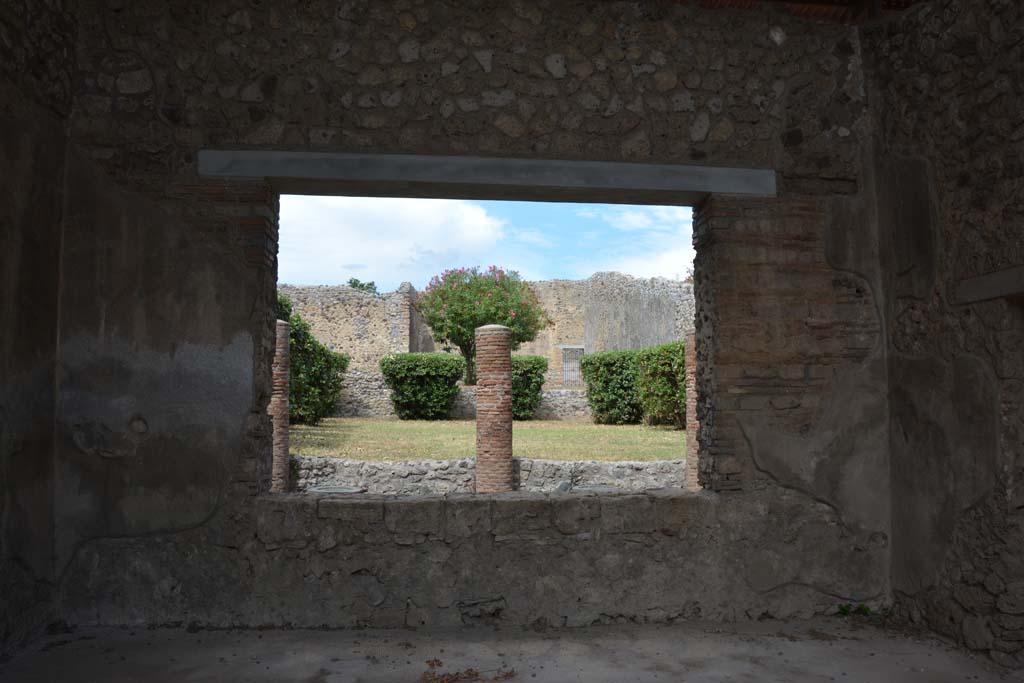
(673, 264)
(535, 238)
(629, 219)
(659, 218)
(326, 240)
(660, 242)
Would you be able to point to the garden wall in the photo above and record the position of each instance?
(456, 476)
(606, 311)
(366, 327)
(555, 404)
(609, 312)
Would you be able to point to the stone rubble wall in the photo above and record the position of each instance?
(640, 81)
(606, 312)
(558, 404)
(555, 404)
(950, 92)
(424, 477)
(365, 393)
(366, 327)
(507, 560)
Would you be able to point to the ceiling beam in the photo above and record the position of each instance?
(411, 175)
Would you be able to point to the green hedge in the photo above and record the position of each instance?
(316, 372)
(527, 379)
(661, 382)
(423, 385)
(611, 387)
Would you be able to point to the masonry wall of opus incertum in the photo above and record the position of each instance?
(859, 392)
(607, 311)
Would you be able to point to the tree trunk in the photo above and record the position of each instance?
(469, 353)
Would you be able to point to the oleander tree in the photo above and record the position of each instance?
(458, 301)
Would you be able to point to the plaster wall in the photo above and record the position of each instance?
(30, 225)
(36, 68)
(948, 96)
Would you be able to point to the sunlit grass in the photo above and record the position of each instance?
(386, 439)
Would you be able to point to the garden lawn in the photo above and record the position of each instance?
(363, 438)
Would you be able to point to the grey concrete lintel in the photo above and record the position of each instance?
(1008, 282)
(485, 178)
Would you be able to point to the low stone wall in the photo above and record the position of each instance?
(555, 404)
(509, 560)
(364, 393)
(558, 404)
(464, 407)
(456, 476)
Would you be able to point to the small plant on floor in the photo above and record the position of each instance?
(316, 371)
(458, 301)
(846, 609)
(527, 379)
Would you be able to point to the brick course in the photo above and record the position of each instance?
(281, 371)
(691, 479)
(494, 409)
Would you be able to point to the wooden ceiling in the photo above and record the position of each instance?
(844, 11)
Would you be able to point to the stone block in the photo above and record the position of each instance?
(576, 514)
(679, 512)
(355, 519)
(287, 520)
(415, 517)
(467, 516)
(976, 632)
(628, 514)
(362, 509)
(1012, 601)
(517, 514)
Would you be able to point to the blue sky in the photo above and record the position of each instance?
(327, 240)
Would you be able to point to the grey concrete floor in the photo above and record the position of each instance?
(765, 652)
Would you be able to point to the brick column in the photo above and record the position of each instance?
(493, 409)
(691, 480)
(278, 408)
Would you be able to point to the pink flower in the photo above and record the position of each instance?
(512, 313)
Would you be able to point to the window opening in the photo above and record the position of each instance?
(572, 376)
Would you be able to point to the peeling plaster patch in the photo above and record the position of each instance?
(842, 457)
